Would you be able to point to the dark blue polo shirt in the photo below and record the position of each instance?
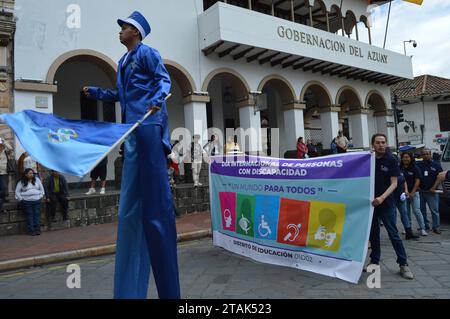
(410, 173)
(385, 168)
(429, 173)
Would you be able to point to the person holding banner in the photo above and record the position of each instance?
(386, 173)
(146, 231)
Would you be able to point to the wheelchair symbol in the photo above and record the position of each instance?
(264, 228)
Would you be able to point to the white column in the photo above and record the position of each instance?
(294, 124)
(329, 118)
(195, 118)
(250, 124)
(360, 128)
(383, 118)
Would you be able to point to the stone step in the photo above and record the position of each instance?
(59, 225)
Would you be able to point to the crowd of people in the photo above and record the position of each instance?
(416, 182)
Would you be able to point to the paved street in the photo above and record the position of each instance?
(211, 272)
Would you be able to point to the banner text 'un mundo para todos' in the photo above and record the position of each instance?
(312, 214)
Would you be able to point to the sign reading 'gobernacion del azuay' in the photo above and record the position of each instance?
(231, 24)
(331, 45)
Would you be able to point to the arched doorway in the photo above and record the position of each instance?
(231, 108)
(378, 112)
(277, 97)
(349, 100)
(319, 124)
(71, 72)
(353, 117)
(74, 70)
(183, 86)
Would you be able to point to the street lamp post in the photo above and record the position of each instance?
(394, 106)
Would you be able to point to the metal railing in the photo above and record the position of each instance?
(7, 5)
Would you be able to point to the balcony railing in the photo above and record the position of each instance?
(7, 5)
(230, 31)
(299, 11)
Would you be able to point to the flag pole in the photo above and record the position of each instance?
(152, 110)
(387, 24)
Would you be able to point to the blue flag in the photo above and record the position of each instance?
(67, 146)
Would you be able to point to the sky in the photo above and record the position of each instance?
(428, 24)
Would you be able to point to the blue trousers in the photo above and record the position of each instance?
(146, 235)
(388, 216)
(432, 200)
(404, 216)
(32, 211)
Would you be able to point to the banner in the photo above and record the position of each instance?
(312, 214)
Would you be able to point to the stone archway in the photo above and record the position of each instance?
(279, 116)
(182, 90)
(232, 108)
(71, 72)
(102, 60)
(350, 102)
(321, 122)
(354, 117)
(234, 77)
(348, 99)
(181, 76)
(376, 101)
(315, 95)
(379, 113)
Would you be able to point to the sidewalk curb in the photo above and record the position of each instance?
(83, 253)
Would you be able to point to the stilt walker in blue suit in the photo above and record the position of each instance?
(146, 234)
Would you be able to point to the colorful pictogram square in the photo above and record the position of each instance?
(228, 211)
(245, 212)
(293, 222)
(326, 224)
(266, 217)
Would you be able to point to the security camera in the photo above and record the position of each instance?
(415, 44)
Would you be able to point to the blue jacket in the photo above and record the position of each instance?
(142, 81)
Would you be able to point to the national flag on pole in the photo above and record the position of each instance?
(73, 147)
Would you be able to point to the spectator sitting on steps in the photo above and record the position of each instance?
(56, 190)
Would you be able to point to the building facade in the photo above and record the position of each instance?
(298, 66)
(425, 102)
(7, 29)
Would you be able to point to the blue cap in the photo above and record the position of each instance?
(137, 20)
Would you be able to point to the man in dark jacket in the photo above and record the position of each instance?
(56, 190)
